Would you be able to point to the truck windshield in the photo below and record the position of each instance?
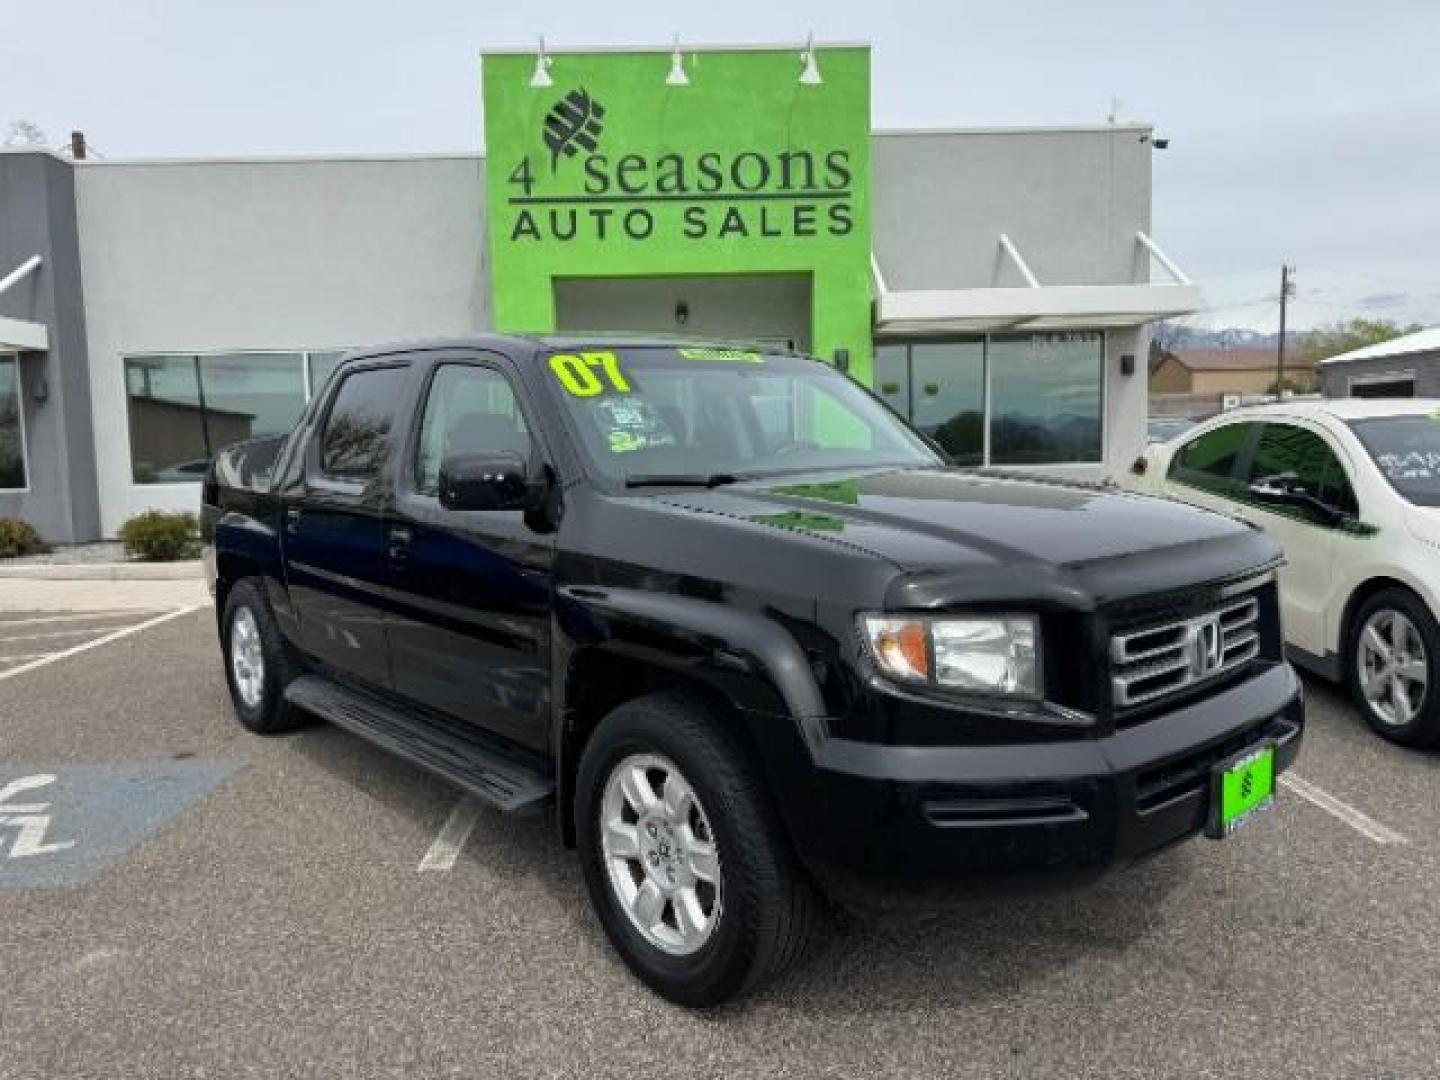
(1407, 449)
(711, 415)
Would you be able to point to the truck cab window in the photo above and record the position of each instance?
(358, 429)
(469, 410)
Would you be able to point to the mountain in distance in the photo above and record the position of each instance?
(1173, 336)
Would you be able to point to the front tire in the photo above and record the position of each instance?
(1394, 668)
(685, 861)
(258, 663)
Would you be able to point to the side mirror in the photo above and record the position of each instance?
(1286, 489)
(487, 482)
(1282, 488)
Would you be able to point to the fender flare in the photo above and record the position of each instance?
(711, 640)
(731, 651)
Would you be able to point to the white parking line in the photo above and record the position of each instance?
(450, 840)
(52, 634)
(86, 616)
(114, 635)
(1362, 823)
(21, 656)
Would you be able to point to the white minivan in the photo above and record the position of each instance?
(1351, 490)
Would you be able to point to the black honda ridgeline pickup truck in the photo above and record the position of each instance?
(754, 638)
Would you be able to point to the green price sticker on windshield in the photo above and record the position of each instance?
(589, 374)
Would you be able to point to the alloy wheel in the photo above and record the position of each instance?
(660, 854)
(247, 658)
(1393, 668)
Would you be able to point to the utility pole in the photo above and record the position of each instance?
(1287, 290)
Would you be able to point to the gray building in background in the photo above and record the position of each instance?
(1407, 366)
(165, 308)
(47, 449)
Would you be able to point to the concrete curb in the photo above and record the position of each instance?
(186, 570)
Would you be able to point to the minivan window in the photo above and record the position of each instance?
(1286, 448)
(1209, 460)
(359, 427)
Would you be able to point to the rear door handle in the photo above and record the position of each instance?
(292, 520)
(398, 546)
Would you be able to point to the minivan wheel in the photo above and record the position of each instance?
(1394, 663)
(685, 861)
(258, 663)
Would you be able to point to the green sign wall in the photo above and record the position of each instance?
(610, 172)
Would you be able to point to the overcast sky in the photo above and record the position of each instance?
(1301, 131)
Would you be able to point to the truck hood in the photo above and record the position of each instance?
(969, 524)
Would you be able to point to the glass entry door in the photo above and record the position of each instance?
(940, 388)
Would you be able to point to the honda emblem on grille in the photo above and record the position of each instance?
(1205, 646)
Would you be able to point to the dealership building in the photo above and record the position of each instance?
(992, 285)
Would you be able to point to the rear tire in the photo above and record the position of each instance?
(1393, 666)
(704, 814)
(258, 662)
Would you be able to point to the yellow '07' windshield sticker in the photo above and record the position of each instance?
(589, 374)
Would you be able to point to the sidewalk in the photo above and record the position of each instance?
(26, 594)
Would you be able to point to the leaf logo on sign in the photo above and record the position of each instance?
(572, 125)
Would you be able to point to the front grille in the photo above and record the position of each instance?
(1153, 662)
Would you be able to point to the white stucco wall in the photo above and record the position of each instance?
(256, 255)
(1070, 199)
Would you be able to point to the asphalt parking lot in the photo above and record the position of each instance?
(193, 901)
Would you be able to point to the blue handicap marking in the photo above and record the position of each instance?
(63, 825)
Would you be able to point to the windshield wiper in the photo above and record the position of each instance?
(711, 480)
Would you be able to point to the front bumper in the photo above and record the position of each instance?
(901, 824)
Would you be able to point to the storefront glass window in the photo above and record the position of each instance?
(248, 395)
(321, 365)
(12, 434)
(1045, 398)
(947, 392)
(1045, 395)
(892, 377)
(184, 408)
(167, 423)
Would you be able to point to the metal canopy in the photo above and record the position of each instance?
(17, 335)
(21, 335)
(1034, 306)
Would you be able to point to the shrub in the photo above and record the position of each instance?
(158, 536)
(19, 538)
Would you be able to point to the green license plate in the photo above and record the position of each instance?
(1241, 788)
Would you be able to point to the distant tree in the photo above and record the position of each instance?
(1342, 337)
(24, 133)
(1166, 337)
(1292, 386)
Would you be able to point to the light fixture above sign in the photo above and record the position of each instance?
(810, 71)
(540, 78)
(677, 76)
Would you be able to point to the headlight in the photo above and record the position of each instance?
(991, 655)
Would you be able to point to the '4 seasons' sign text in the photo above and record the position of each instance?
(568, 187)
